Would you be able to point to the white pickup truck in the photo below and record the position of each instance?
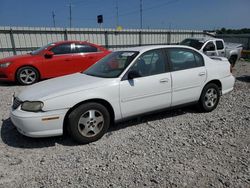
(215, 47)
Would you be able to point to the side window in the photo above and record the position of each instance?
(84, 48)
(62, 49)
(209, 47)
(199, 59)
(150, 63)
(182, 59)
(219, 45)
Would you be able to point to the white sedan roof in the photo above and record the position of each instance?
(142, 49)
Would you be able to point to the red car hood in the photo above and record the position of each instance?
(14, 58)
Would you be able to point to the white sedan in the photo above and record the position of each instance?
(125, 83)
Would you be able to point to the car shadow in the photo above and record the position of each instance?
(243, 78)
(7, 83)
(11, 137)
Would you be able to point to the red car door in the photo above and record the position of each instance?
(61, 63)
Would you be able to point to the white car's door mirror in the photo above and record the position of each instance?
(133, 74)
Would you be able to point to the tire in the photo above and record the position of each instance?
(210, 97)
(88, 122)
(27, 75)
(233, 60)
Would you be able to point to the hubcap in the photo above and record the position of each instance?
(91, 123)
(211, 97)
(27, 76)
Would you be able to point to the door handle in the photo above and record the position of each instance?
(67, 59)
(164, 80)
(202, 73)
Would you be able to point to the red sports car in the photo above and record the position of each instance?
(52, 60)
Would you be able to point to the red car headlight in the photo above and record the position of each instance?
(5, 65)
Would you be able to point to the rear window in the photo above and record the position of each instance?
(219, 45)
(192, 43)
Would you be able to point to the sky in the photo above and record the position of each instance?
(156, 14)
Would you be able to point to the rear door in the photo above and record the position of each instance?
(188, 75)
(152, 90)
(86, 55)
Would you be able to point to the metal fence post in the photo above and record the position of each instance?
(140, 38)
(65, 34)
(106, 39)
(12, 42)
(169, 37)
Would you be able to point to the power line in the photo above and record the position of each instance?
(126, 13)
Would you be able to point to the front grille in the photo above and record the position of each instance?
(16, 103)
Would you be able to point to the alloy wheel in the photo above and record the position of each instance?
(91, 123)
(211, 97)
(28, 76)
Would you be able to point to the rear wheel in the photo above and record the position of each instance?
(27, 75)
(233, 60)
(88, 122)
(210, 97)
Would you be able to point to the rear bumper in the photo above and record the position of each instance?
(227, 84)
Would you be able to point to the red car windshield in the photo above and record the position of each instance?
(39, 50)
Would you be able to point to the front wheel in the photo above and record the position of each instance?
(210, 97)
(27, 75)
(88, 122)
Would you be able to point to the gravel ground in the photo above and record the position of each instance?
(178, 148)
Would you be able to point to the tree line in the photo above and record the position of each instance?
(233, 31)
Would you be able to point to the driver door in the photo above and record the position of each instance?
(61, 63)
(150, 91)
(209, 49)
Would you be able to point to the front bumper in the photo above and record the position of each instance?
(41, 124)
(6, 74)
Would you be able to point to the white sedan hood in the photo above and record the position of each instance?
(61, 86)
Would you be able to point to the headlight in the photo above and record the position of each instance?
(5, 65)
(32, 106)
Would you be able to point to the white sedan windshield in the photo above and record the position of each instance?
(112, 65)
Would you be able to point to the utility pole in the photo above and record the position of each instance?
(117, 14)
(70, 14)
(141, 13)
(53, 17)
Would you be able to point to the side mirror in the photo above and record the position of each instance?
(48, 54)
(133, 74)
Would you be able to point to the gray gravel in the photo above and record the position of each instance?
(175, 148)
